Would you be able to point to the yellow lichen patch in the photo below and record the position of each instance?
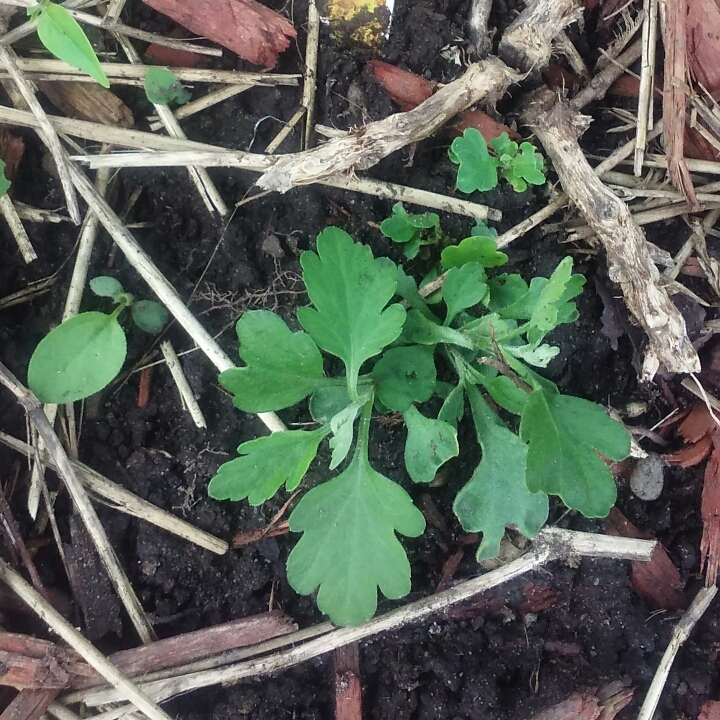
(359, 21)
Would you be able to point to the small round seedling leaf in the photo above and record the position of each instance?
(405, 375)
(63, 37)
(163, 87)
(480, 249)
(149, 316)
(4, 182)
(106, 286)
(478, 169)
(327, 401)
(430, 443)
(464, 287)
(77, 359)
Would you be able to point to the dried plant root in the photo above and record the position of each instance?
(366, 146)
(558, 126)
(527, 43)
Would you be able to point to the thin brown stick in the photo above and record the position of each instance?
(674, 99)
(348, 691)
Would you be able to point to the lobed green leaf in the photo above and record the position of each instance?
(163, 87)
(565, 434)
(265, 465)
(430, 443)
(478, 169)
(402, 227)
(350, 290)
(349, 546)
(463, 288)
(405, 375)
(497, 495)
(282, 367)
(477, 249)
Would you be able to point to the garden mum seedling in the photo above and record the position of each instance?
(85, 353)
(489, 336)
(60, 33)
(521, 165)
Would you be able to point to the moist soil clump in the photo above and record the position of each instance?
(505, 656)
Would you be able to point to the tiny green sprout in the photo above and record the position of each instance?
(351, 524)
(60, 33)
(520, 165)
(480, 247)
(4, 182)
(85, 353)
(163, 87)
(409, 229)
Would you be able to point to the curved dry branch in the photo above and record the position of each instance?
(558, 126)
(527, 43)
(366, 146)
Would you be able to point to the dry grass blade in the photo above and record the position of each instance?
(119, 71)
(647, 76)
(549, 544)
(46, 131)
(117, 497)
(206, 187)
(87, 512)
(67, 632)
(12, 218)
(680, 634)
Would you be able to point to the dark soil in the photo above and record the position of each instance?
(492, 660)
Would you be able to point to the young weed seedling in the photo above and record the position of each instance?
(491, 333)
(85, 353)
(163, 87)
(61, 35)
(412, 230)
(415, 231)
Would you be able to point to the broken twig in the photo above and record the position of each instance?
(558, 126)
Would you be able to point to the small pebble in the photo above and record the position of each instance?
(646, 480)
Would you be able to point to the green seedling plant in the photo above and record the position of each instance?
(415, 231)
(480, 169)
(61, 35)
(488, 337)
(85, 353)
(163, 87)
(4, 182)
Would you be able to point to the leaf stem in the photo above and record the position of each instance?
(363, 441)
(124, 302)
